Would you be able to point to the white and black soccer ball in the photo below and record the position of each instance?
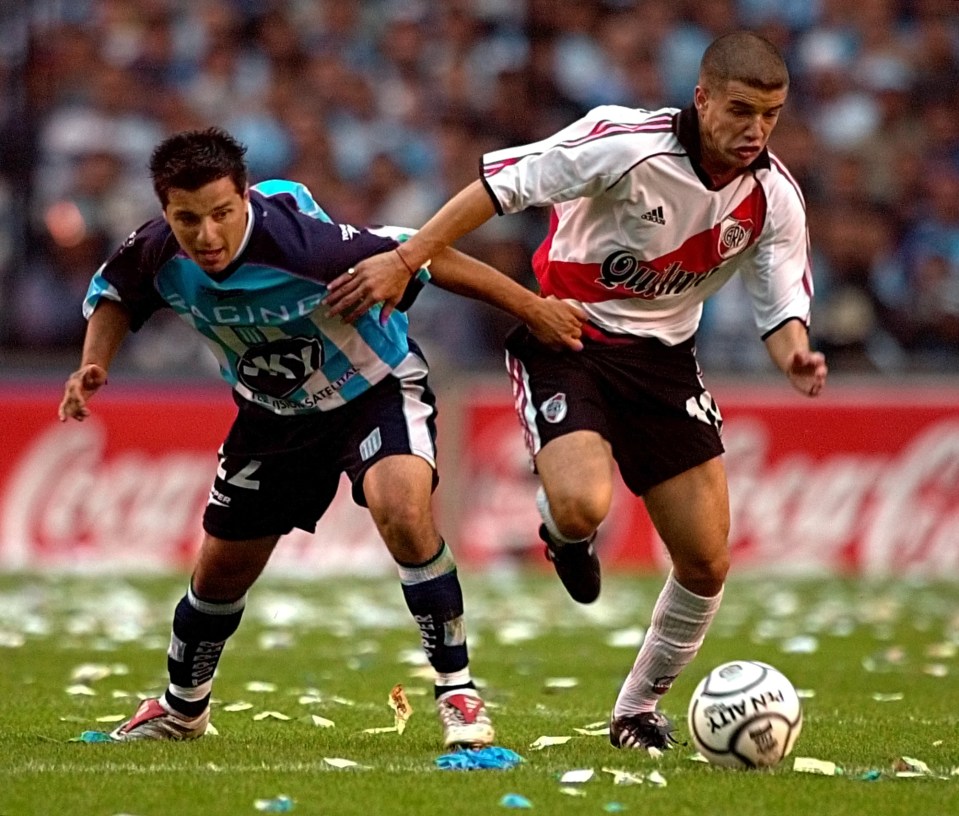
(745, 714)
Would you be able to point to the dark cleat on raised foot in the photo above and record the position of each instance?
(577, 566)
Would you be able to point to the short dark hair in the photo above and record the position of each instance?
(193, 158)
(743, 56)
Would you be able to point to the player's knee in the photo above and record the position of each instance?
(702, 573)
(578, 516)
(403, 523)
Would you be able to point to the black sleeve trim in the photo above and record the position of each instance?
(489, 190)
(783, 323)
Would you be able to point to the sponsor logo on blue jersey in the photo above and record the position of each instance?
(280, 368)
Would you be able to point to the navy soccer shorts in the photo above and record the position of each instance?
(280, 472)
(645, 398)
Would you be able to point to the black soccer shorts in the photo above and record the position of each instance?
(645, 398)
(280, 472)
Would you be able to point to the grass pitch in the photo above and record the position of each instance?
(879, 661)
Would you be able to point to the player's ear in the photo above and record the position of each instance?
(700, 95)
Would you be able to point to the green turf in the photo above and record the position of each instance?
(347, 642)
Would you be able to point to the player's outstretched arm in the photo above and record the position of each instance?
(554, 322)
(789, 349)
(107, 327)
(383, 278)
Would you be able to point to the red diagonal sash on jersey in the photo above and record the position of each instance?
(624, 275)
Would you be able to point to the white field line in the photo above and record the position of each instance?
(192, 768)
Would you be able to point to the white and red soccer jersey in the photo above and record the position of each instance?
(639, 238)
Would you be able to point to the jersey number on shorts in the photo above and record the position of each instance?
(242, 477)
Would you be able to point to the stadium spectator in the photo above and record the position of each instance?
(875, 83)
(316, 398)
(652, 212)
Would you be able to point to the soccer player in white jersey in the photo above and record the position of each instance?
(316, 397)
(652, 211)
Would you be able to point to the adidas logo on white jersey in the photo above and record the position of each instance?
(655, 215)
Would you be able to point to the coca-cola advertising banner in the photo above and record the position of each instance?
(862, 480)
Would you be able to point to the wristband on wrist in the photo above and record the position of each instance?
(405, 262)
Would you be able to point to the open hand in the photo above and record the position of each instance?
(81, 385)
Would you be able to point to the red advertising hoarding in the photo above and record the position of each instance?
(861, 480)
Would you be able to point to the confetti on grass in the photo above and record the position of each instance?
(479, 759)
(401, 707)
(908, 766)
(624, 777)
(816, 766)
(93, 736)
(577, 776)
(545, 742)
(279, 804)
(260, 686)
(514, 800)
(270, 715)
(338, 762)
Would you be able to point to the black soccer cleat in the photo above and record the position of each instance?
(648, 729)
(577, 566)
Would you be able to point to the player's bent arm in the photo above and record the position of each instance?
(382, 278)
(554, 322)
(107, 327)
(470, 208)
(788, 346)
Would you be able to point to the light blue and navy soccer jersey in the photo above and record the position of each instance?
(262, 315)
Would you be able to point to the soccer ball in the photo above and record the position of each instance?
(744, 714)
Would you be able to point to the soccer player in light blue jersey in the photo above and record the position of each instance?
(316, 397)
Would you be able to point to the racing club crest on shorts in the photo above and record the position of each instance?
(554, 409)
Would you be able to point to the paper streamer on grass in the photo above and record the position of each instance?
(477, 759)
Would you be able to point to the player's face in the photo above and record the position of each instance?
(208, 223)
(735, 123)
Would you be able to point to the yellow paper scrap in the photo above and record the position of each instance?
(624, 777)
(656, 778)
(545, 742)
(270, 715)
(337, 762)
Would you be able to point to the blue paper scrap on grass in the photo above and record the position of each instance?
(93, 736)
(514, 800)
(279, 804)
(475, 759)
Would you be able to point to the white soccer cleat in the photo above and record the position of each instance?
(465, 721)
(154, 720)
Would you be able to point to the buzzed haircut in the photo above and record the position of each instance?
(193, 158)
(743, 57)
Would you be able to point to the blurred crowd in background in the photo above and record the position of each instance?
(383, 108)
